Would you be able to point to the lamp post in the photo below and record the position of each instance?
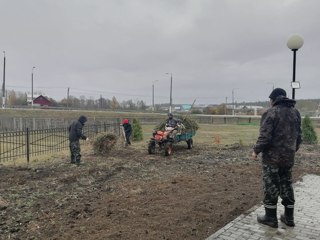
(294, 43)
(4, 81)
(32, 86)
(153, 94)
(170, 107)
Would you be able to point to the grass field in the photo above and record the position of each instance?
(209, 134)
(69, 114)
(219, 134)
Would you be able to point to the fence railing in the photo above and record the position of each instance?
(28, 143)
(8, 124)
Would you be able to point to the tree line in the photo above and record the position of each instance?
(309, 107)
(16, 99)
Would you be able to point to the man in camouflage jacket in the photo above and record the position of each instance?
(75, 134)
(279, 139)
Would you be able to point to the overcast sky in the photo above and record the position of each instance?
(122, 47)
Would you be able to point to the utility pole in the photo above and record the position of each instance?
(68, 98)
(225, 109)
(170, 107)
(32, 86)
(232, 101)
(171, 94)
(4, 82)
(153, 94)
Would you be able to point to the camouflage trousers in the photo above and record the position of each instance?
(277, 181)
(75, 151)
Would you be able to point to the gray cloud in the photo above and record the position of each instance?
(119, 47)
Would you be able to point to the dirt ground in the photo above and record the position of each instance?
(130, 194)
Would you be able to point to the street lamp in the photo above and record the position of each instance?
(4, 81)
(170, 107)
(32, 86)
(294, 43)
(153, 94)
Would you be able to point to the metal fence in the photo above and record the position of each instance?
(28, 143)
(8, 124)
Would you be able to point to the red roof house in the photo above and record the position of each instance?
(41, 101)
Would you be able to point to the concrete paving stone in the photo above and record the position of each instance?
(226, 238)
(310, 234)
(302, 238)
(307, 218)
(235, 236)
(245, 227)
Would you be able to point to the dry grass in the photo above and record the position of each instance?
(215, 135)
(218, 134)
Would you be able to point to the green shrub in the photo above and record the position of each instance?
(103, 143)
(189, 123)
(137, 130)
(309, 135)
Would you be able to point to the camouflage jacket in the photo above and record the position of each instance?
(280, 133)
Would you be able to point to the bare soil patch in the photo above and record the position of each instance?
(130, 194)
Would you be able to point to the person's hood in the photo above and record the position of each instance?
(82, 119)
(281, 100)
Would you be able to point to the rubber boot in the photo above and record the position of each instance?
(270, 218)
(78, 160)
(287, 217)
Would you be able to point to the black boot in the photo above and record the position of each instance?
(78, 160)
(270, 218)
(287, 217)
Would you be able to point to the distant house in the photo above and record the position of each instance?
(41, 101)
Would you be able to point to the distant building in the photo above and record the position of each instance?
(255, 109)
(181, 107)
(40, 101)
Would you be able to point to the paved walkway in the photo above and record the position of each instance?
(307, 218)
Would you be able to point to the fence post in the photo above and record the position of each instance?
(105, 127)
(28, 145)
(118, 126)
(21, 124)
(96, 128)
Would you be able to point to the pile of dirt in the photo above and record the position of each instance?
(130, 194)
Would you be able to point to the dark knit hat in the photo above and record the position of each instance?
(82, 119)
(277, 92)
